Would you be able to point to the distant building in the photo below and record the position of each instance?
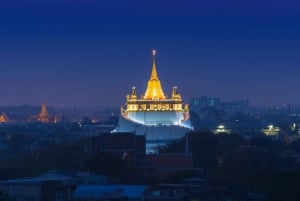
(232, 107)
(4, 118)
(271, 130)
(154, 115)
(213, 114)
(245, 129)
(197, 104)
(43, 117)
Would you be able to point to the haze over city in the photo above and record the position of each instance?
(91, 53)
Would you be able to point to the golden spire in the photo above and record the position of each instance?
(44, 112)
(154, 72)
(154, 90)
(43, 116)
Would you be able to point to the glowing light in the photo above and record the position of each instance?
(153, 52)
(271, 127)
(271, 130)
(221, 127)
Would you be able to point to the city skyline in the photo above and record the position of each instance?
(91, 53)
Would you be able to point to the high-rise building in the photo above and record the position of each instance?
(202, 102)
(159, 118)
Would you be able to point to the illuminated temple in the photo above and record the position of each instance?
(4, 118)
(43, 116)
(159, 117)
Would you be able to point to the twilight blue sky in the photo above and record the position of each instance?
(90, 52)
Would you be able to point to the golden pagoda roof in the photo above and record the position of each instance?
(43, 116)
(3, 118)
(154, 90)
(44, 110)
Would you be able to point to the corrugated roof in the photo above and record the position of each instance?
(98, 191)
(49, 176)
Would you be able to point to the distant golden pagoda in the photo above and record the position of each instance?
(4, 118)
(43, 117)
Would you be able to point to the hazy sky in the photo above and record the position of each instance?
(90, 52)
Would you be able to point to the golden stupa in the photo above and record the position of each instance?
(4, 118)
(154, 99)
(43, 116)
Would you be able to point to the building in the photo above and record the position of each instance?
(197, 104)
(232, 107)
(4, 118)
(53, 185)
(49, 186)
(159, 118)
(43, 117)
(200, 104)
(109, 192)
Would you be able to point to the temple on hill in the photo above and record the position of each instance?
(4, 118)
(159, 117)
(43, 116)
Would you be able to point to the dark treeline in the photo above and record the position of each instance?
(259, 164)
(70, 157)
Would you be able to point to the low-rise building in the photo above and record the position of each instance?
(50, 186)
(109, 192)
